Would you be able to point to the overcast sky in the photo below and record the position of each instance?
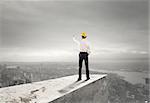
(43, 30)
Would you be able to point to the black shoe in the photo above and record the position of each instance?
(87, 79)
(79, 79)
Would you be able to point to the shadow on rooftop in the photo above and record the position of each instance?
(71, 86)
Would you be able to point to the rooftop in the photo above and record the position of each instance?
(45, 91)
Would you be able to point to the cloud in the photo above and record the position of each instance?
(23, 54)
(26, 54)
(114, 27)
(118, 51)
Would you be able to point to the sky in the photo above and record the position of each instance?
(43, 30)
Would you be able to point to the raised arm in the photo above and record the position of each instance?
(75, 40)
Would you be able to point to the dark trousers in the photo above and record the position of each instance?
(83, 56)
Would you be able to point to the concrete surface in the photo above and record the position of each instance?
(60, 90)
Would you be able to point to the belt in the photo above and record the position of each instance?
(83, 52)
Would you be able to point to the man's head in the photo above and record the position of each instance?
(84, 35)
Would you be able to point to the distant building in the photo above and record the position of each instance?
(147, 81)
(11, 67)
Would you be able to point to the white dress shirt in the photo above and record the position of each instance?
(83, 45)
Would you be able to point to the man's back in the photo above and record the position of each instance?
(84, 45)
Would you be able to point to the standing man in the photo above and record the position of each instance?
(84, 50)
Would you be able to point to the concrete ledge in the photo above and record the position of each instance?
(60, 90)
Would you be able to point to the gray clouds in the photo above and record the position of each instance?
(51, 24)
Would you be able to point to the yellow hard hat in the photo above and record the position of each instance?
(83, 34)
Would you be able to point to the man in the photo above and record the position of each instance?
(83, 55)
